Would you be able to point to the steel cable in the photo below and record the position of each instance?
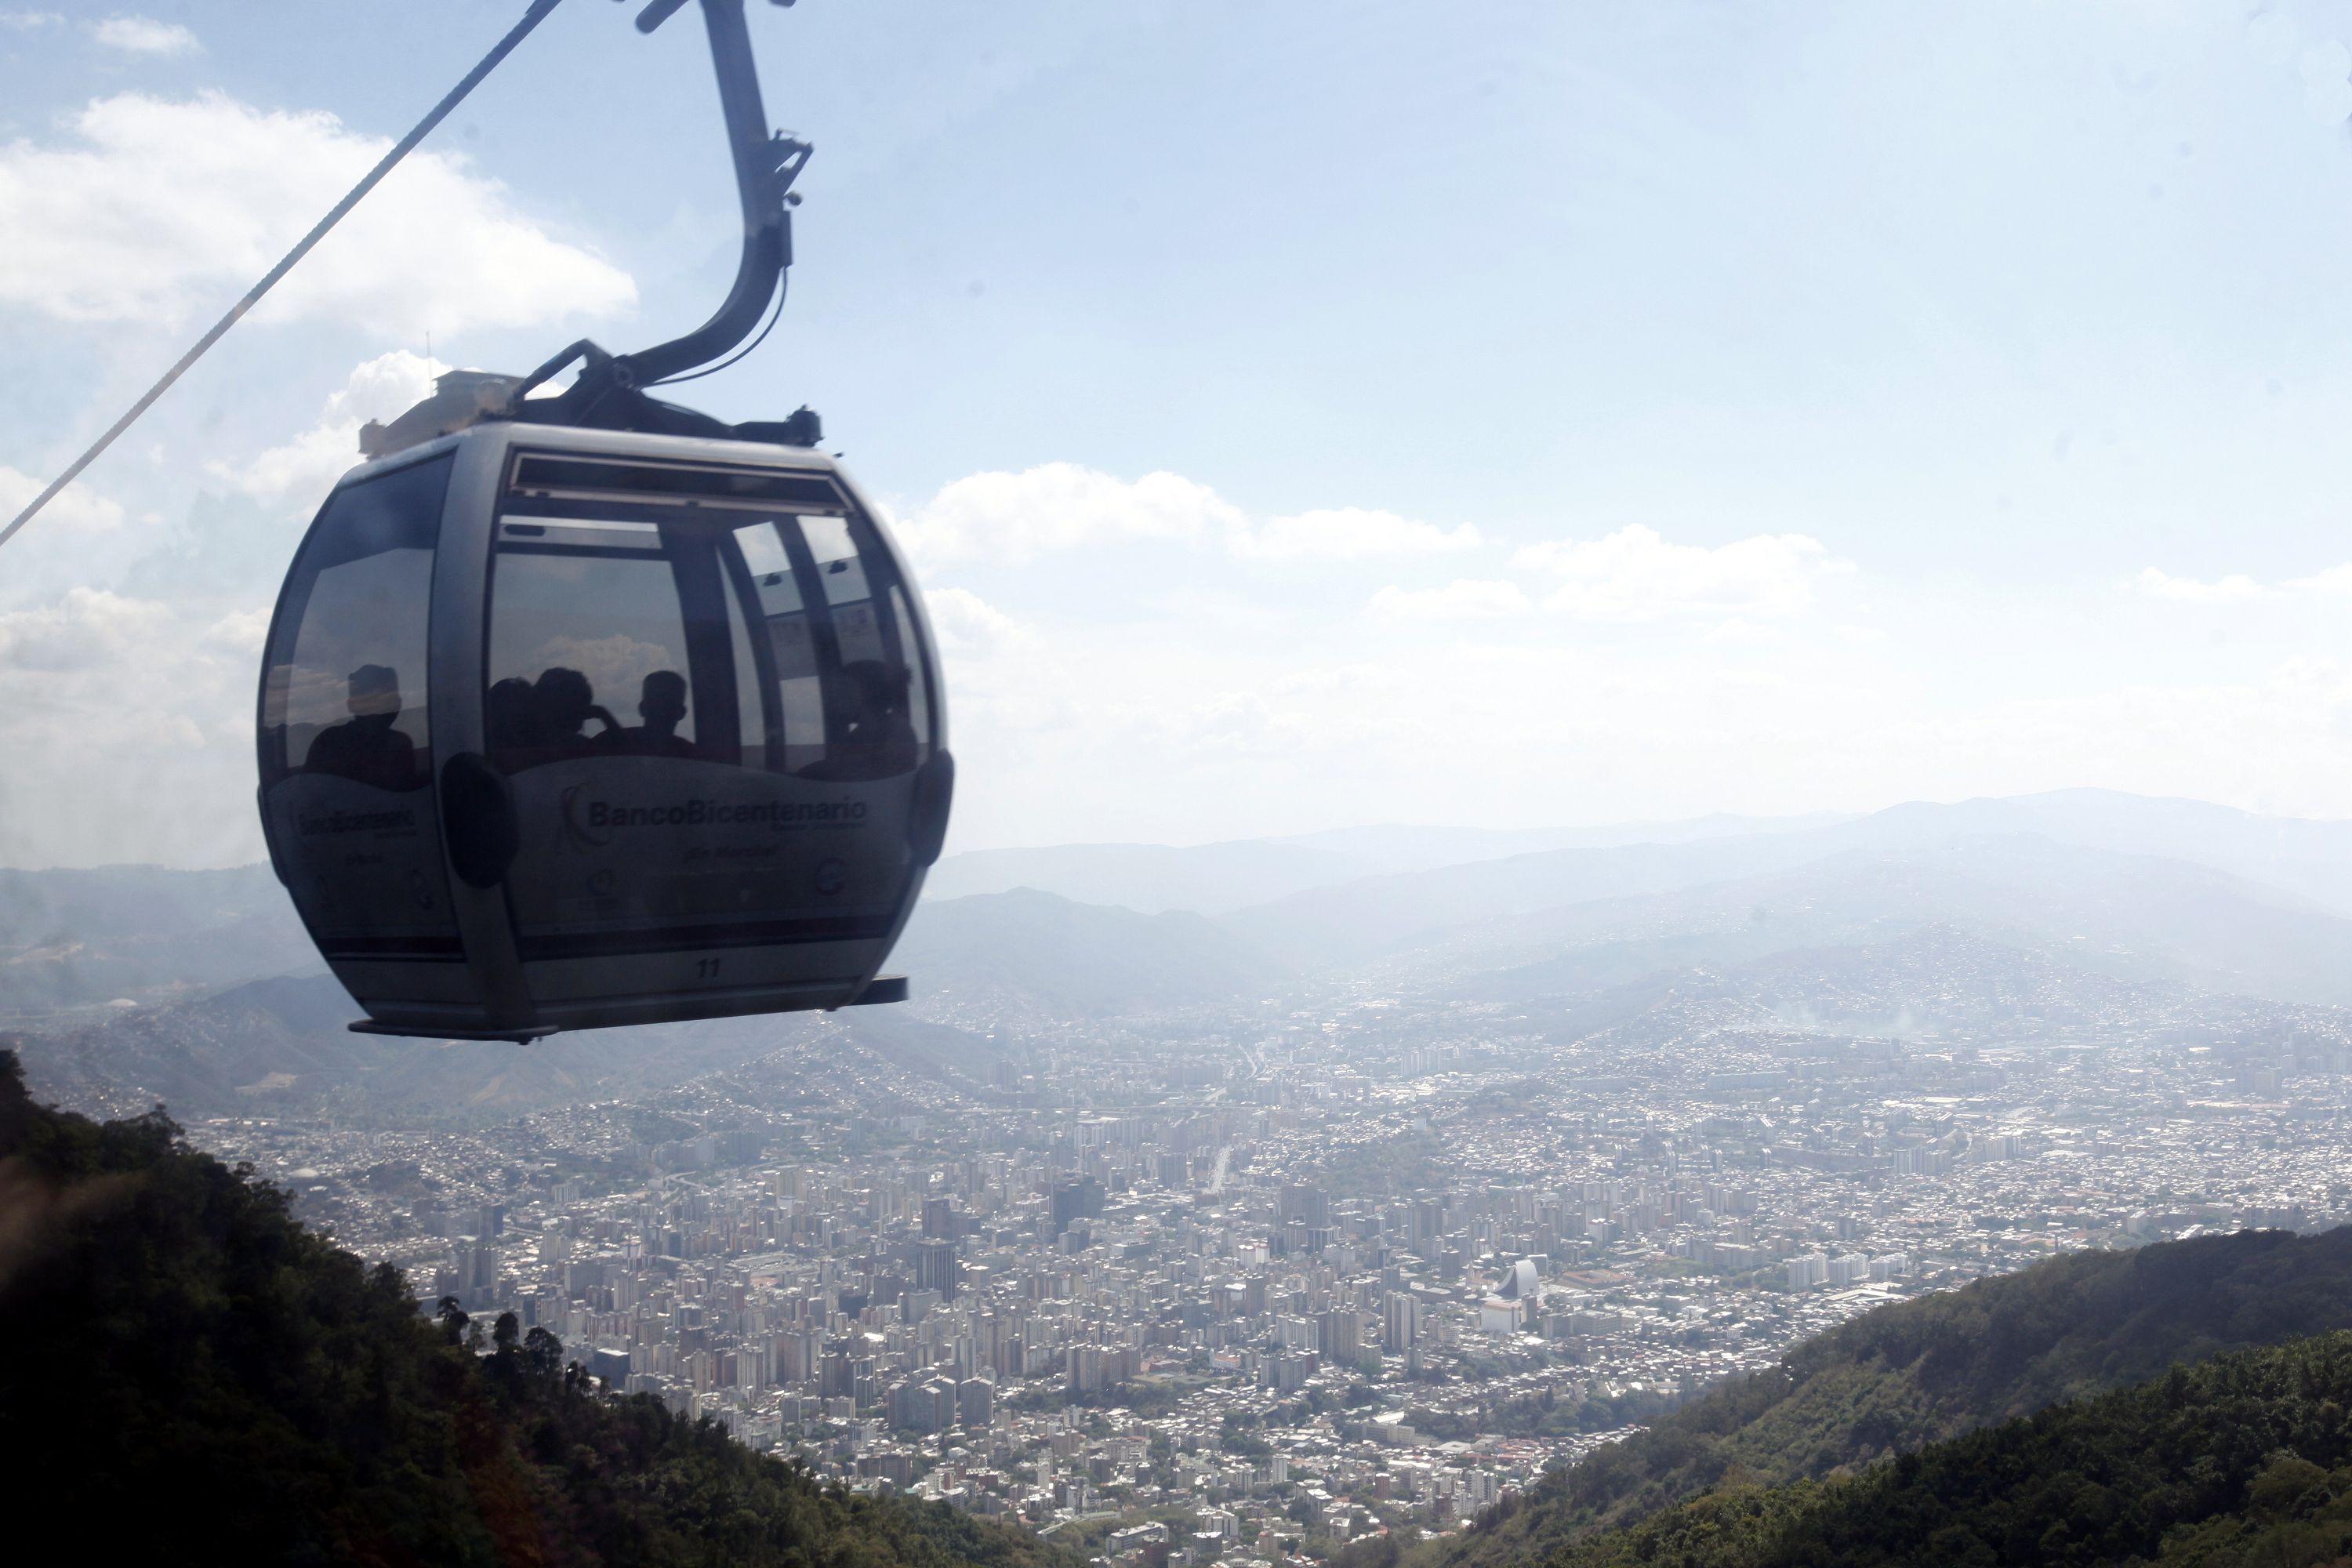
(531, 18)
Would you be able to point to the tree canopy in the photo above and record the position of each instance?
(1935, 1367)
(194, 1376)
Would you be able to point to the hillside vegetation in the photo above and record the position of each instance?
(2241, 1461)
(197, 1378)
(1918, 1371)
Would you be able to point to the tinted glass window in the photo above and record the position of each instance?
(588, 648)
(856, 695)
(674, 610)
(788, 633)
(346, 741)
(344, 684)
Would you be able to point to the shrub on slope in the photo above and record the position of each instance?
(1939, 1365)
(2245, 1460)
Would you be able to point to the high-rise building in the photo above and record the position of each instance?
(1400, 1322)
(1075, 1198)
(935, 1267)
(1307, 1204)
(1342, 1334)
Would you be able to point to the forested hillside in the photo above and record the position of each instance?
(2241, 1461)
(1925, 1369)
(194, 1377)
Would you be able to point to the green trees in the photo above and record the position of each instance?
(2243, 1460)
(189, 1375)
(1919, 1371)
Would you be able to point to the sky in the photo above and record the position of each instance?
(1296, 415)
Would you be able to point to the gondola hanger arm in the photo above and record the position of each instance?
(766, 165)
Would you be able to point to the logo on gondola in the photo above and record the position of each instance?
(575, 836)
(832, 876)
(591, 824)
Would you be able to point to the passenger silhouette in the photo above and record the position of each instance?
(662, 706)
(510, 717)
(878, 740)
(365, 748)
(566, 701)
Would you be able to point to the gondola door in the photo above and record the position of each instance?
(708, 731)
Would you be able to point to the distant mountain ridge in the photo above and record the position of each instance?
(2130, 916)
(1026, 951)
(78, 938)
(1147, 879)
(231, 1009)
(1216, 878)
(2308, 857)
(280, 1046)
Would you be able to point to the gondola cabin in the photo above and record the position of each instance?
(561, 728)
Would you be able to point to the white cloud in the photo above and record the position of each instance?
(77, 507)
(156, 208)
(615, 664)
(2156, 585)
(966, 626)
(128, 726)
(302, 469)
(29, 21)
(1634, 575)
(1058, 506)
(240, 631)
(83, 628)
(1348, 533)
(1463, 599)
(1063, 506)
(2335, 580)
(145, 35)
(2237, 587)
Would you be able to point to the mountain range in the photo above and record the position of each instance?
(198, 988)
(2309, 858)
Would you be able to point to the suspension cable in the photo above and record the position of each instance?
(531, 18)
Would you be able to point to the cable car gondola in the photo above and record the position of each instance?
(589, 709)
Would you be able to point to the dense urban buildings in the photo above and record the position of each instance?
(1258, 1280)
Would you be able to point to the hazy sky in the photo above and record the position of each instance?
(1299, 414)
